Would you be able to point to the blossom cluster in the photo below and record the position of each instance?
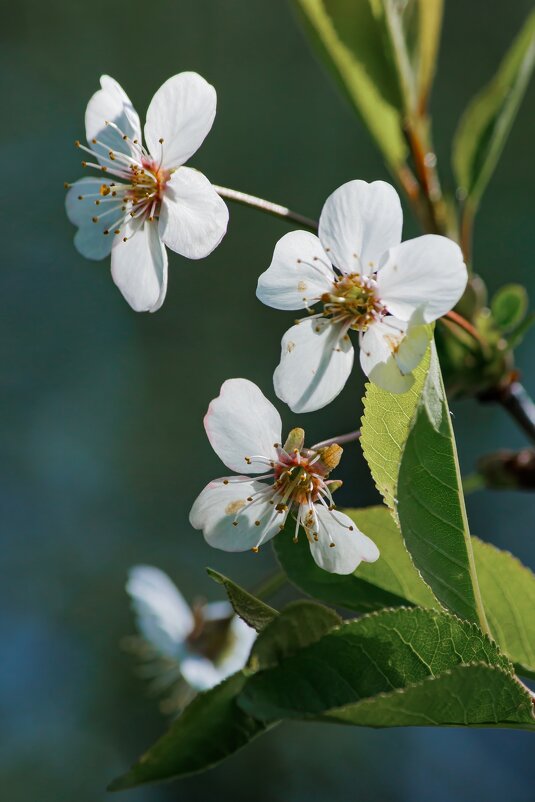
(356, 276)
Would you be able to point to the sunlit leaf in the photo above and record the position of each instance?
(486, 123)
(430, 503)
(385, 427)
(507, 587)
(508, 591)
(391, 581)
(425, 49)
(352, 41)
(409, 445)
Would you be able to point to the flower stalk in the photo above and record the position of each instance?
(274, 209)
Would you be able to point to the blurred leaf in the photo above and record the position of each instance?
(486, 123)
(517, 335)
(414, 28)
(392, 581)
(509, 306)
(362, 659)
(508, 591)
(428, 23)
(352, 40)
(210, 729)
(468, 695)
(298, 625)
(254, 612)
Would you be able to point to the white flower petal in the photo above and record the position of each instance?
(351, 546)
(427, 272)
(414, 344)
(92, 243)
(199, 672)
(390, 350)
(139, 267)
(243, 637)
(316, 360)
(90, 240)
(219, 505)
(181, 113)
(163, 616)
(359, 223)
(193, 218)
(299, 274)
(112, 104)
(240, 423)
(215, 611)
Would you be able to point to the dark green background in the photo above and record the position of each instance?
(103, 448)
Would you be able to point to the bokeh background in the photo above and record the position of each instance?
(103, 449)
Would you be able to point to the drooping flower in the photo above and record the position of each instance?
(144, 198)
(237, 513)
(203, 645)
(368, 281)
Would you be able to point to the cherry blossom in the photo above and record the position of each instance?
(144, 198)
(203, 645)
(367, 281)
(240, 512)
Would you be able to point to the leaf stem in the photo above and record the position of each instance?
(274, 209)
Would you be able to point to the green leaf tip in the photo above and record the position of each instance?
(253, 611)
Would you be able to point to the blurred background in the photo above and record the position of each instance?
(102, 441)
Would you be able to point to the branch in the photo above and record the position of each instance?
(515, 400)
(274, 209)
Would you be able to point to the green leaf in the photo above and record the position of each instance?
(210, 729)
(298, 625)
(425, 49)
(254, 612)
(508, 591)
(430, 508)
(517, 335)
(486, 123)
(390, 582)
(394, 581)
(352, 40)
(509, 306)
(376, 654)
(385, 427)
(467, 696)
(409, 444)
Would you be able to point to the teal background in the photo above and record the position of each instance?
(103, 447)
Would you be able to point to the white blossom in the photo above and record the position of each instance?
(144, 198)
(204, 645)
(237, 513)
(367, 281)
